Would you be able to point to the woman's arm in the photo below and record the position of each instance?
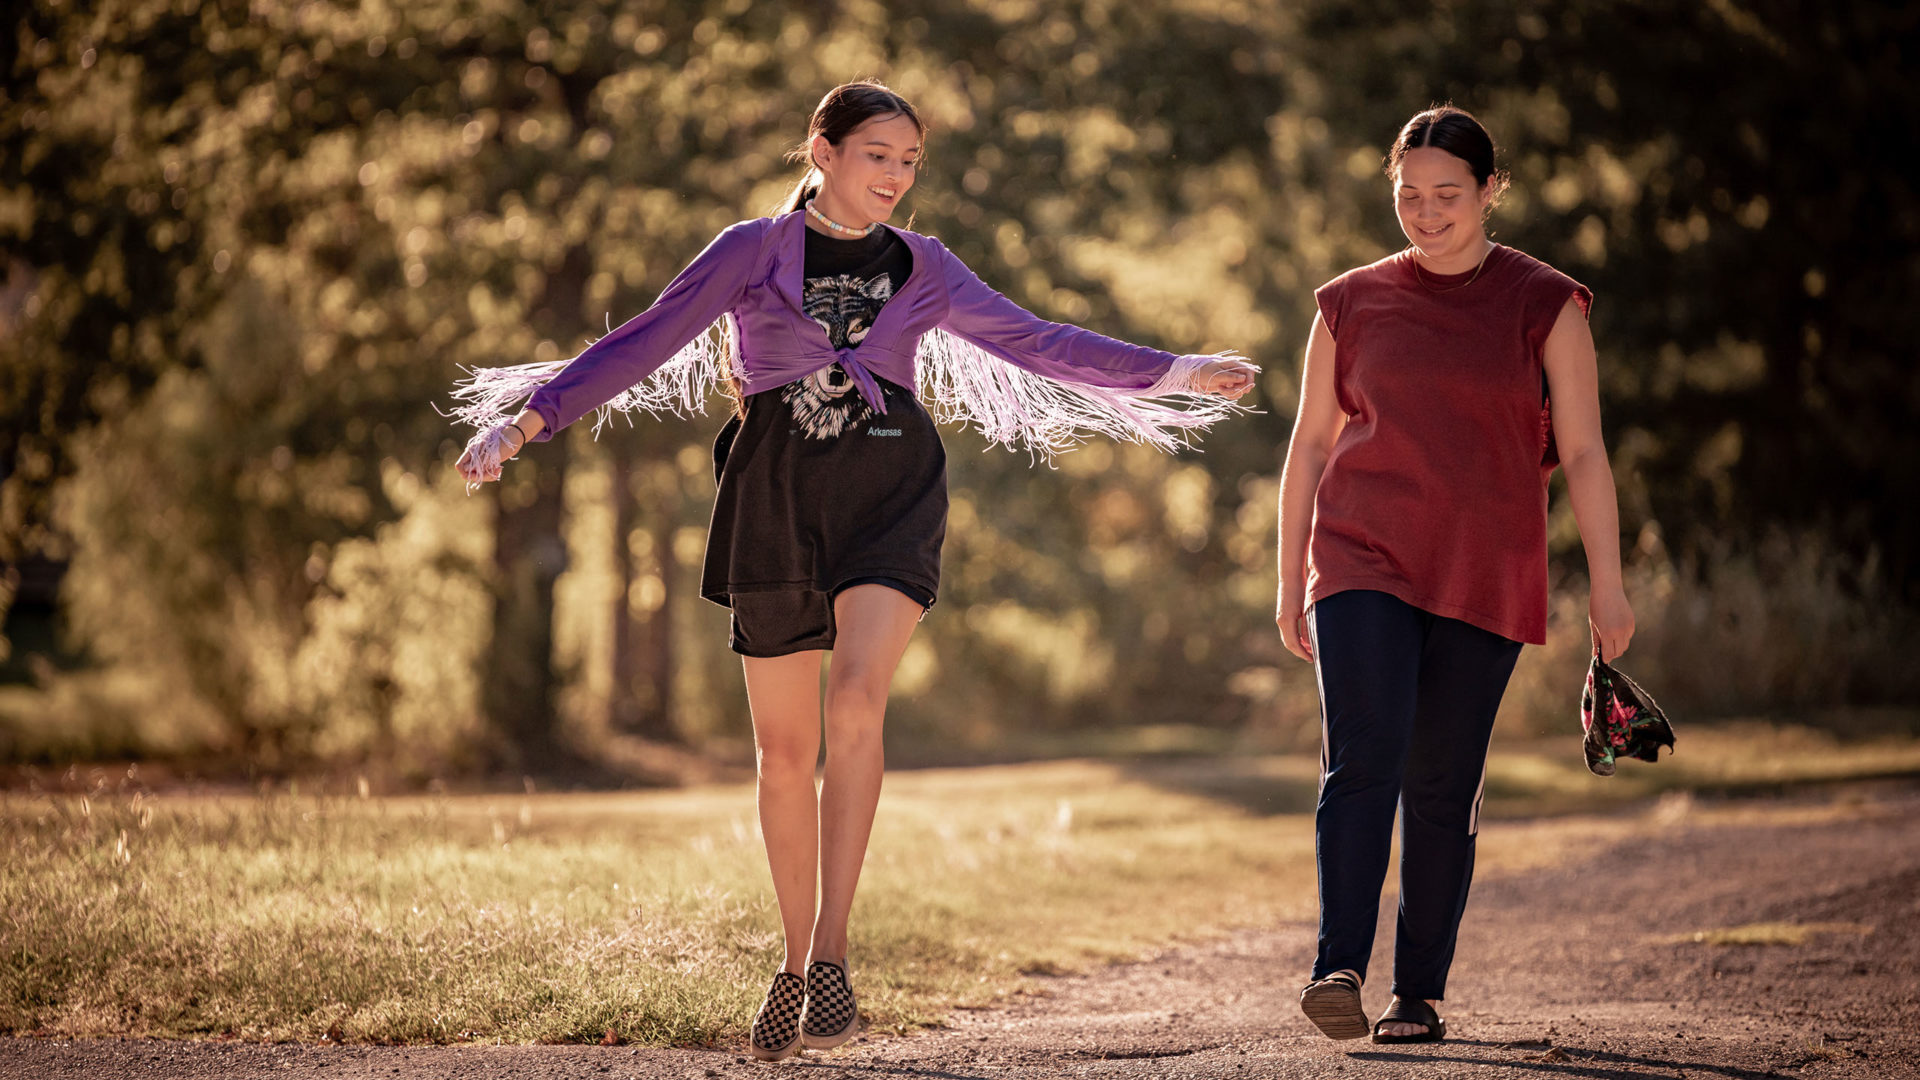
(1573, 387)
(1315, 428)
(1067, 353)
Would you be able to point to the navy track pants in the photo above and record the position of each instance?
(1407, 701)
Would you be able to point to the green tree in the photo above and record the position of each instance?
(246, 248)
(1728, 178)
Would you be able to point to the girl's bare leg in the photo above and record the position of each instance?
(872, 626)
(784, 695)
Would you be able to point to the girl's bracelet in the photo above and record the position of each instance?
(524, 437)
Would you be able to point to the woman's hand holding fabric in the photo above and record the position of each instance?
(1612, 620)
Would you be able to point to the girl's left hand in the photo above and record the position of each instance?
(1225, 377)
(1612, 620)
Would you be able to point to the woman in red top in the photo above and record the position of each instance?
(1442, 385)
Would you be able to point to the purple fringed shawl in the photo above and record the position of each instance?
(972, 354)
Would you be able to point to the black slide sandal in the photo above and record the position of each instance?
(1333, 1004)
(1410, 1011)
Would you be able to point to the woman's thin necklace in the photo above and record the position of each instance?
(1421, 277)
(836, 226)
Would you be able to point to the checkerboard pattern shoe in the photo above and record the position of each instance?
(831, 1012)
(776, 1030)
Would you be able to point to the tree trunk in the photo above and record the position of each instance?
(642, 632)
(529, 554)
(520, 696)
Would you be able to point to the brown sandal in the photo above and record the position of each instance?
(1333, 1004)
(1410, 1011)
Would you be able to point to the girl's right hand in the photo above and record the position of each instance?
(504, 441)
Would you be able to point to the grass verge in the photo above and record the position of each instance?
(565, 917)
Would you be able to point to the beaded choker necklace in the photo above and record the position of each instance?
(836, 226)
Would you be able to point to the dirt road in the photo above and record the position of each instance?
(1629, 962)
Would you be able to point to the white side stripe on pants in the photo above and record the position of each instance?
(1479, 793)
(1320, 685)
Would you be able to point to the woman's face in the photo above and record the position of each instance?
(871, 170)
(1442, 207)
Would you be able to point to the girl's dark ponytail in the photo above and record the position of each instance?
(807, 188)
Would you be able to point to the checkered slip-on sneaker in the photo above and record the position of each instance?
(831, 1013)
(776, 1029)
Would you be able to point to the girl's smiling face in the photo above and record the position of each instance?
(1442, 208)
(871, 170)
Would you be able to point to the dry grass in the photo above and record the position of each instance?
(1790, 629)
(563, 917)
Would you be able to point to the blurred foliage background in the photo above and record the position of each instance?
(248, 247)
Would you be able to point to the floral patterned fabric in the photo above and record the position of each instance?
(1621, 720)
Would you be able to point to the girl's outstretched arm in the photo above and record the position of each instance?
(565, 391)
(1068, 353)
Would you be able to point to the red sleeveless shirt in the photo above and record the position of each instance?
(1436, 490)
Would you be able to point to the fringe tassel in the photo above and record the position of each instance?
(1183, 375)
(1010, 405)
(959, 381)
(680, 386)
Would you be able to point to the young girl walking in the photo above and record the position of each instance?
(1442, 386)
(828, 325)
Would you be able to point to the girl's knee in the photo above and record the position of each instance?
(854, 726)
(783, 759)
(854, 697)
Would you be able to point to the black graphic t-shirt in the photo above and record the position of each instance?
(815, 489)
(847, 282)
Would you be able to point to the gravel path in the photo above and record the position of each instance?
(1586, 969)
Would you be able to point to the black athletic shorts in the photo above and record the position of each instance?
(784, 621)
